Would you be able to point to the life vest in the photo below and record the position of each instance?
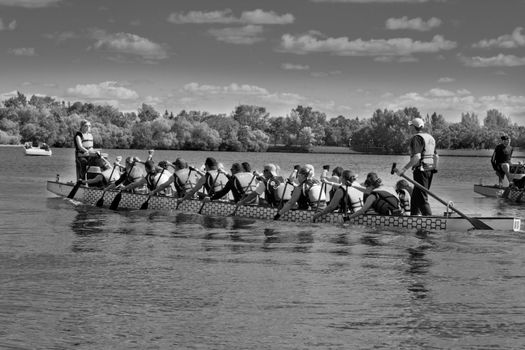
(87, 141)
(157, 179)
(243, 183)
(310, 195)
(278, 190)
(185, 180)
(215, 181)
(111, 174)
(427, 161)
(352, 199)
(386, 203)
(404, 200)
(92, 173)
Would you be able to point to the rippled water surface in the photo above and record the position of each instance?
(78, 277)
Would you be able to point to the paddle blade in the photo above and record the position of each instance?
(71, 194)
(478, 224)
(116, 201)
(144, 205)
(100, 202)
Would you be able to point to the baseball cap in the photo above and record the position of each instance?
(417, 122)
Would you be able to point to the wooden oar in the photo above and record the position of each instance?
(118, 197)
(213, 185)
(243, 195)
(100, 202)
(144, 205)
(478, 224)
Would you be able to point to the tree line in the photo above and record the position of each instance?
(248, 128)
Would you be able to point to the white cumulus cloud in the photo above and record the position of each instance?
(292, 66)
(508, 41)
(494, 61)
(10, 26)
(343, 46)
(245, 35)
(226, 16)
(29, 3)
(107, 90)
(412, 24)
(23, 51)
(129, 44)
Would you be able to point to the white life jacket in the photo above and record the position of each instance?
(427, 160)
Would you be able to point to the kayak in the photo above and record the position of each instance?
(133, 201)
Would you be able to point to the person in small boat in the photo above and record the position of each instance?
(83, 148)
(183, 178)
(270, 188)
(381, 199)
(131, 174)
(501, 160)
(423, 163)
(346, 197)
(240, 182)
(212, 181)
(154, 177)
(307, 193)
(403, 190)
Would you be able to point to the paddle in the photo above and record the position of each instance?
(144, 205)
(100, 202)
(284, 190)
(478, 224)
(71, 194)
(244, 194)
(213, 185)
(118, 197)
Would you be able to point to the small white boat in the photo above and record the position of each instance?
(42, 150)
(489, 191)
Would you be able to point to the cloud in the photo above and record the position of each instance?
(495, 61)
(10, 26)
(246, 35)
(128, 44)
(61, 36)
(375, 1)
(23, 51)
(226, 16)
(233, 88)
(292, 66)
(314, 43)
(507, 41)
(29, 3)
(446, 80)
(107, 90)
(413, 24)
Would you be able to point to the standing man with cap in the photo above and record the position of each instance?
(423, 162)
(501, 159)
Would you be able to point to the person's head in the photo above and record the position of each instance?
(338, 171)
(348, 177)
(372, 180)
(210, 163)
(129, 162)
(246, 167)
(150, 167)
(403, 185)
(236, 168)
(417, 123)
(304, 173)
(505, 139)
(85, 125)
(269, 170)
(180, 163)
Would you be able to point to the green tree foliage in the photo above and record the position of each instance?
(248, 128)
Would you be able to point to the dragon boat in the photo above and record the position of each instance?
(130, 201)
(515, 195)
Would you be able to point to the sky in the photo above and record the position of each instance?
(340, 57)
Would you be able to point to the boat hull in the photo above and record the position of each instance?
(90, 196)
(489, 191)
(37, 152)
(516, 195)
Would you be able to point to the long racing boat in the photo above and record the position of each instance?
(130, 201)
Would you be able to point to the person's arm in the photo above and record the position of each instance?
(161, 187)
(223, 191)
(96, 179)
(194, 190)
(296, 194)
(134, 184)
(259, 190)
(334, 203)
(368, 204)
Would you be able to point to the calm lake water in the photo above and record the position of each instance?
(89, 278)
